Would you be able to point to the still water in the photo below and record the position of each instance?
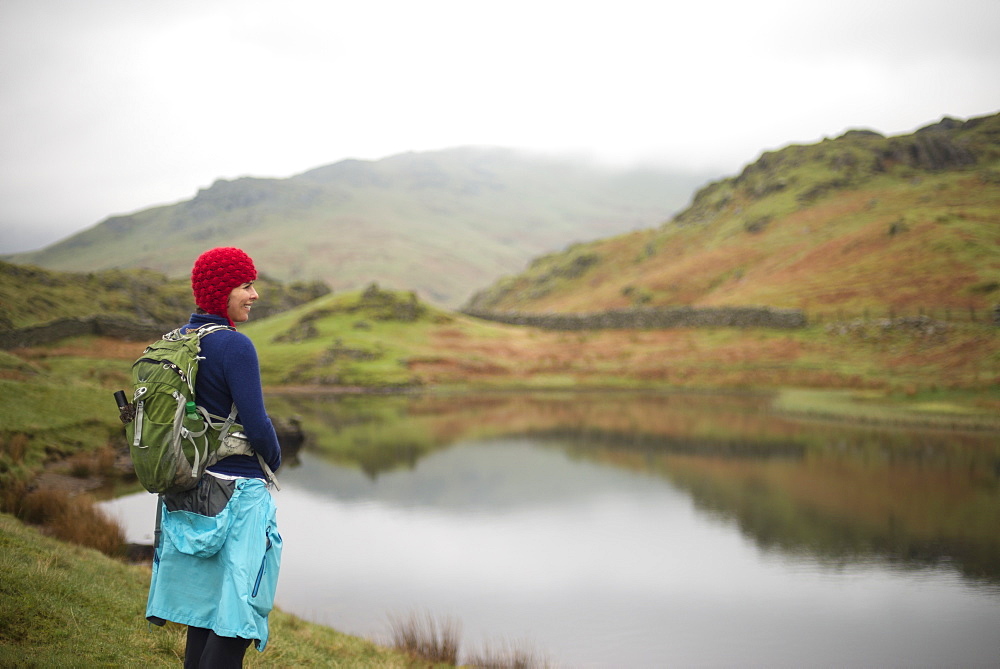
(637, 531)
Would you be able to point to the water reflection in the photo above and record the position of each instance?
(628, 530)
(835, 491)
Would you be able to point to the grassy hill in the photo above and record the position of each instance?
(31, 296)
(441, 223)
(860, 222)
(388, 340)
(67, 606)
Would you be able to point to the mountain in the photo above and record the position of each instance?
(859, 222)
(440, 223)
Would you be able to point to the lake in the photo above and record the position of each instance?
(613, 530)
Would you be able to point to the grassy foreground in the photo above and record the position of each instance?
(62, 605)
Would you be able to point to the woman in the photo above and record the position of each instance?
(217, 561)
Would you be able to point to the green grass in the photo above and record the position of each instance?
(936, 410)
(55, 407)
(30, 295)
(50, 404)
(350, 339)
(66, 606)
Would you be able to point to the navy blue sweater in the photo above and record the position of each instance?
(230, 373)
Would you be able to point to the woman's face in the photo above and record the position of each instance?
(240, 300)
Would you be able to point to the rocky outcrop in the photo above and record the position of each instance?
(932, 151)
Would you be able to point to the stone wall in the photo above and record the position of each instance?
(653, 318)
(75, 327)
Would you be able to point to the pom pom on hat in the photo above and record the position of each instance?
(215, 274)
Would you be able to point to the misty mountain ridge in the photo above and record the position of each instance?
(441, 223)
(857, 223)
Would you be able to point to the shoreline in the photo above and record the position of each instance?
(826, 404)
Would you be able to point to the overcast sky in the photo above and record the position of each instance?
(113, 106)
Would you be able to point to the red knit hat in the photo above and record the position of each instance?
(215, 274)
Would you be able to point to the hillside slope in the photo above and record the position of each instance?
(441, 223)
(390, 340)
(853, 223)
(31, 296)
(67, 606)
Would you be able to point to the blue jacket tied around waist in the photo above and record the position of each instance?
(219, 572)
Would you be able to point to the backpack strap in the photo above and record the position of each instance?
(203, 331)
(224, 430)
(271, 478)
(231, 420)
(156, 527)
(206, 329)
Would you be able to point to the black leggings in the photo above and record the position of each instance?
(207, 649)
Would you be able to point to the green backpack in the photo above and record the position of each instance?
(171, 439)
